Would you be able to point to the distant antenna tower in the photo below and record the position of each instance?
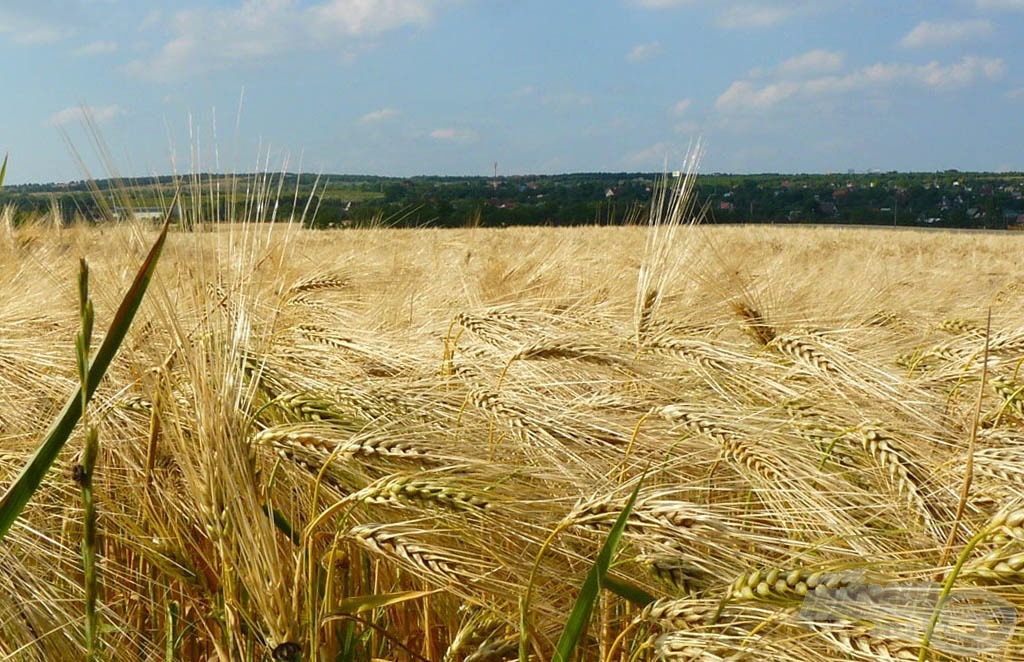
(494, 182)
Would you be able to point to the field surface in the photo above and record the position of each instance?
(452, 420)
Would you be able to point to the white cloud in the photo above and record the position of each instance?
(747, 14)
(940, 33)
(744, 95)
(95, 48)
(207, 39)
(360, 17)
(679, 108)
(97, 114)
(379, 115)
(961, 73)
(448, 134)
(642, 52)
(812, 62)
(753, 16)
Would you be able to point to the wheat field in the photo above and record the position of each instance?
(450, 421)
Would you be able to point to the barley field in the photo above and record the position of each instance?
(412, 444)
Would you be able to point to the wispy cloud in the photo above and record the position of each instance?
(754, 16)
(679, 108)
(812, 62)
(682, 124)
(207, 39)
(642, 52)
(746, 14)
(97, 114)
(449, 134)
(963, 72)
(42, 22)
(40, 9)
(745, 95)
(363, 17)
(940, 33)
(379, 115)
(95, 48)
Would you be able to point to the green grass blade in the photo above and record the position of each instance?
(576, 625)
(3, 170)
(171, 642)
(283, 525)
(19, 493)
(627, 591)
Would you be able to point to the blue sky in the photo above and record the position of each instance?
(407, 87)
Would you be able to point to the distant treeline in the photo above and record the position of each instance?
(940, 199)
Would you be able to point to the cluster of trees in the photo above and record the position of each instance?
(944, 199)
(947, 199)
(457, 202)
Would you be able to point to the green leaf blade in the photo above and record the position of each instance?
(578, 619)
(627, 591)
(31, 477)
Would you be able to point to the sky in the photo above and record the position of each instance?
(451, 87)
